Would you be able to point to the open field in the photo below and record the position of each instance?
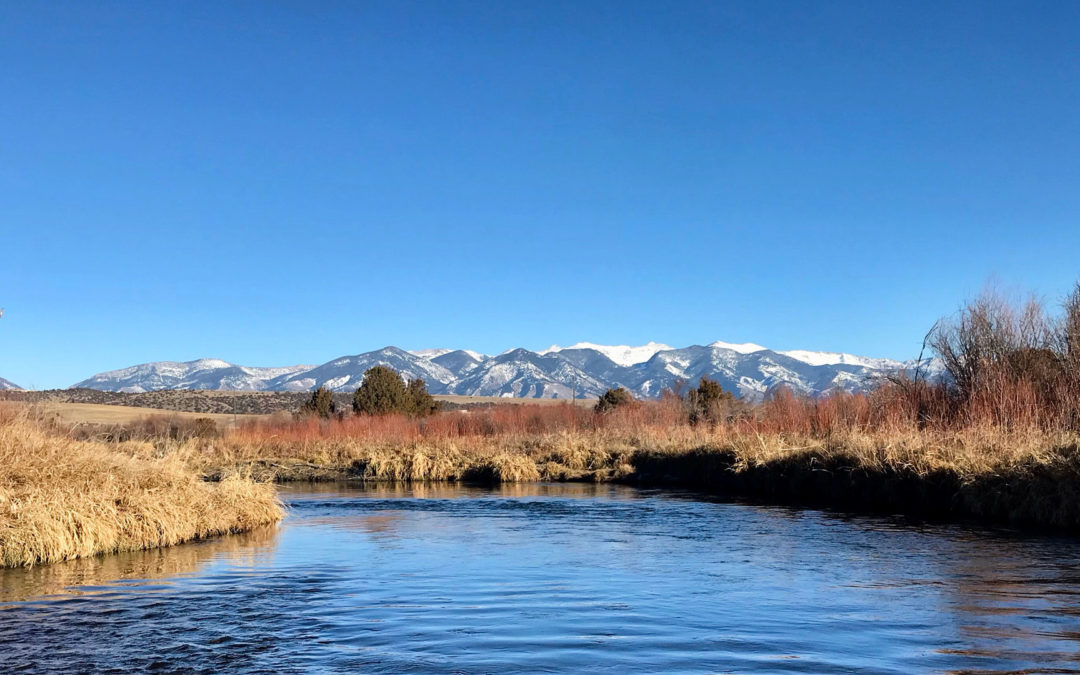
(178, 400)
(98, 413)
(236, 402)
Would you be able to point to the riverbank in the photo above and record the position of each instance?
(62, 499)
(996, 475)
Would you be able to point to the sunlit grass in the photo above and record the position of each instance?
(62, 499)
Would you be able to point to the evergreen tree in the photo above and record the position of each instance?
(709, 402)
(418, 401)
(613, 398)
(381, 392)
(321, 403)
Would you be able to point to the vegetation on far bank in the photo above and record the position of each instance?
(998, 438)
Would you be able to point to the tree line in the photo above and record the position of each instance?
(382, 392)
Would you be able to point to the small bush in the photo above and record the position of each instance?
(205, 428)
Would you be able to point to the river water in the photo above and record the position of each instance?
(546, 578)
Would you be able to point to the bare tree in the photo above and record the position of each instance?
(1069, 332)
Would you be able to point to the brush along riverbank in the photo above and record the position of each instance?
(62, 499)
(1020, 478)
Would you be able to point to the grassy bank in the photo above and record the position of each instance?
(874, 451)
(62, 499)
(1030, 478)
(1027, 476)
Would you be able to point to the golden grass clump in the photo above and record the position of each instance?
(62, 499)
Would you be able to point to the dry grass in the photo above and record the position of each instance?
(158, 563)
(843, 450)
(103, 414)
(62, 499)
(882, 450)
(593, 451)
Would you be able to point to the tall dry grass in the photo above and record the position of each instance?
(62, 498)
(886, 449)
(511, 443)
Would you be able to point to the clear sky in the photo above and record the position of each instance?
(287, 182)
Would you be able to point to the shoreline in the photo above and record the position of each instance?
(1041, 494)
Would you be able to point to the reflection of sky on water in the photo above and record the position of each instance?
(437, 577)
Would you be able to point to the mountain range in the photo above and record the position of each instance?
(582, 370)
(6, 384)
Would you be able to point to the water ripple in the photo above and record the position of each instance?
(555, 578)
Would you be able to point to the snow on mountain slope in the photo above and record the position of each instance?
(459, 361)
(7, 384)
(584, 369)
(429, 353)
(347, 373)
(524, 374)
(433, 354)
(743, 348)
(198, 374)
(621, 354)
(836, 358)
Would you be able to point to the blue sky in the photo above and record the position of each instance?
(287, 182)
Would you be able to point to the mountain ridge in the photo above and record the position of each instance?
(580, 370)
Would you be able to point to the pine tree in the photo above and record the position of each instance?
(709, 402)
(382, 392)
(418, 401)
(321, 403)
(613, 398)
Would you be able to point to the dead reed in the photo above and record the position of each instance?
(879, 450)
(62, 498)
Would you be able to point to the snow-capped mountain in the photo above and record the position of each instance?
(622, 354)
(753, 372)
(7, 384)
(521, 373)
(199, 374)
(835, 358)
(584, 369)
(346, 373)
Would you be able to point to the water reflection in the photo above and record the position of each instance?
(451, 578)
(442, 490)
(88, 575)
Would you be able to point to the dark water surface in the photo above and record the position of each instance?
(556, 578)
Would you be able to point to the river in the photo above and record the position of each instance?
(546, 578)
